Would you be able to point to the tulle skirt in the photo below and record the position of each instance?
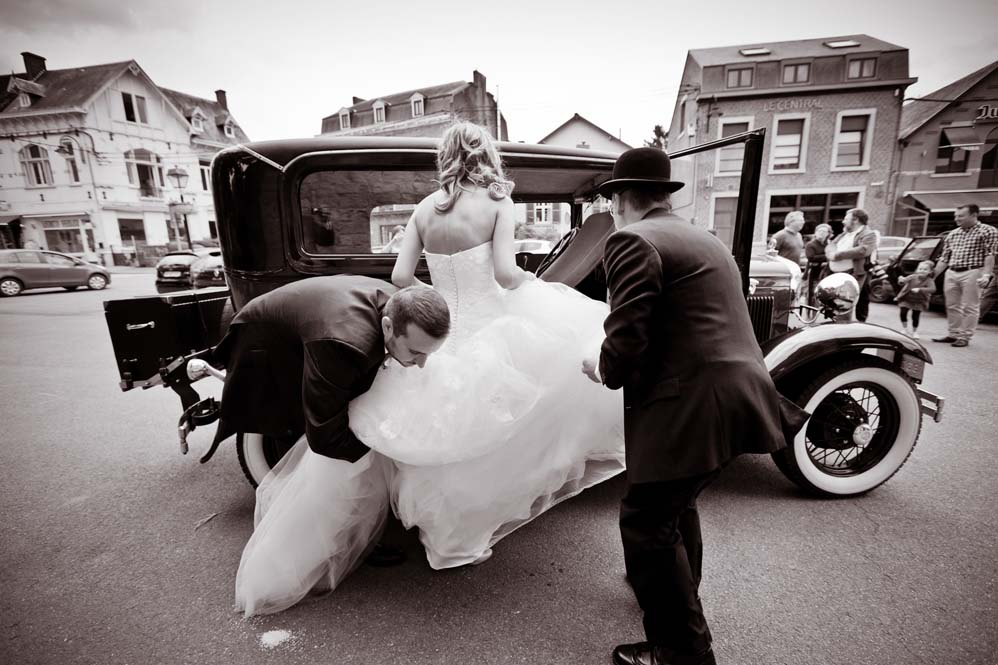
(316, 517)
(499, 428)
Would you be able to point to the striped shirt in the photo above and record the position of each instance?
(967, 248)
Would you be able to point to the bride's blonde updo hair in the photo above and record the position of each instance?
(467, 158)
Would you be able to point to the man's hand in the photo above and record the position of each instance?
(589, 369)
(983, 280)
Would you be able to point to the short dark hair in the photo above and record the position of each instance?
(645, 197)
(861, 215)
(422, 307)
(972, 208)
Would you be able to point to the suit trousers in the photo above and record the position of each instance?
(663, 555)
(963, 302)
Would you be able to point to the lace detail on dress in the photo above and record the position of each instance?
(467, 282)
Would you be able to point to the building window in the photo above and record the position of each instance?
(789, 145)
(144, 170)
(682, 117)
(197, 123)
(35, 162)
(379, 112)
(68, 151)
(205, 177)
(797, 73)
(853, 136)
(417, 107)
(740, 78)
(135, 108)
(24, 100)
(344, 121)
(230, 130)
(729, 158)
(818, 208)
(950, 159)
(542, 213)
(989, 168)
(862, 68)
(213, 229)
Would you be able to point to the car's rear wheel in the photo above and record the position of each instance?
(10, 287)
(96, 282)
(865, 421)
(258, 454)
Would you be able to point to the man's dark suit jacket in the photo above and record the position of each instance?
(680, 342)
(296, 356)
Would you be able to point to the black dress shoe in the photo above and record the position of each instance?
(384, 555)
(945, 340)
(645, 653)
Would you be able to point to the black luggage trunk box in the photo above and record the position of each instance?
(149, 332)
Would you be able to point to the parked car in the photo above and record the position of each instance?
(889, 247)
(173, 270)
(23, 269)
(930, 248)
(208, 271)
(290, 210)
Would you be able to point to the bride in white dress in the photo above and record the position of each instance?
(498, 426)
(501, 424)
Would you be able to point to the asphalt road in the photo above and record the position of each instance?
(102, 559)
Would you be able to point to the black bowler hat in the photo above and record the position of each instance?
(641, 166)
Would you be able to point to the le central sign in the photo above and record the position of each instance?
(792, 104)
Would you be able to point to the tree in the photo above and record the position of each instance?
(659, 138)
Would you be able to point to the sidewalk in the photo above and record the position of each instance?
(130, 270)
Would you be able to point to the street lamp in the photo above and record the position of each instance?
(178, 177)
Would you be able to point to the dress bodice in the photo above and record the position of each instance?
(467, 282)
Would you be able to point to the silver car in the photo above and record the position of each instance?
(22, 269)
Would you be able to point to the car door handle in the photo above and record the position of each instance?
(139, 326)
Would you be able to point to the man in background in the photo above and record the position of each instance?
(851, 252)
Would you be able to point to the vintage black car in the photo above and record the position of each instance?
(930, 248)
(290, 210)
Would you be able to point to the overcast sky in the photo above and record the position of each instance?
(286, 65)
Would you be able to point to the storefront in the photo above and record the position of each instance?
(69, 234)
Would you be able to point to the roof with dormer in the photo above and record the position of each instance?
(915, 114)
(799, 48)
(443, 90)
(75, 88)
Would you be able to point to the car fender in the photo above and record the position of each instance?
(796, 349)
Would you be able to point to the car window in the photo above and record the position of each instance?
(29, 257)
(365, 212)
(9, 257)
(921, 249)
(58, 260)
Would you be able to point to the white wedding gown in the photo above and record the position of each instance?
(498, 427)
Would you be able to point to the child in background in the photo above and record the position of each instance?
(916, 290)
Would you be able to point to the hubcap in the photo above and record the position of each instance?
(10, 288)
(852, 429)
(97, 282)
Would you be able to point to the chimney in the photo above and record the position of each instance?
(221, 99)
(34, 65)
(356, 100)
(479, 79)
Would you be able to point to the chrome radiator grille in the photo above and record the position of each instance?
(761, 312)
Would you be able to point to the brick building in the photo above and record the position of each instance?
(831, 107)
(421, 112)
(948, 154)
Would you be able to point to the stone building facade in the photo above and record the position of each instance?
(84, 154)
(831, 108)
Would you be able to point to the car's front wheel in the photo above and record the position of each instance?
(258, 454)
(96, 282)
(865, 421)
(10, 287)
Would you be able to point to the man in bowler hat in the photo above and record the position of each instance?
(696, 394)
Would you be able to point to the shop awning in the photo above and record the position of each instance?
(950, 201)
(963, 137)
(5, 220)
